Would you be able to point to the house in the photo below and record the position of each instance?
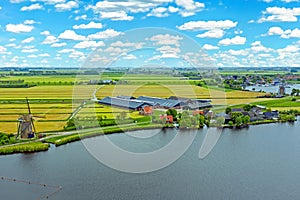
(271, 115)
(146, 110)
(125, 97)
(237, 110)
(198, 112)
(167, 118)
(124, 103)
(191, 104)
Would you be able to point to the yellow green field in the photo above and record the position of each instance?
(64, 93)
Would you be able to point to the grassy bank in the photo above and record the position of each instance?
(61, 140)
(24, 148)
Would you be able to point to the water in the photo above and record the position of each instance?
(272, 89)
(262, 162)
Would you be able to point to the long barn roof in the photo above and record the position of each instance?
(125, 103)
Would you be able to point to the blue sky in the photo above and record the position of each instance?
(62, 33)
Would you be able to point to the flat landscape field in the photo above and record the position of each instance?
(52, 104)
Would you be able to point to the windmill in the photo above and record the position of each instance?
(26, 128)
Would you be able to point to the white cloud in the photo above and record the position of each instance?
(84, 17)
(166, 39)
(50, 39)
(19, 28)
(0, 8)
(2, 50)
(116, 16)
(27, 40)
(209, 47)
(217, 33)
(44, 55)
(280, 14)
(32, 56)
(126, 44)
(62, 44)
(36, 6)
(207, 25)
(104, 34)
(45, 33)
(295, 33)
(70, 35)
(130, 57)
(16, 1)
(89, 44)
(289, 1)
(66, 6)
(189, 7)
(29, 50)
(237, 40)
(172, 9)
(29, 22)
(159, 12)
(91, 25)
(53, 1)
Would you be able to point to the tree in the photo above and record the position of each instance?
(230, 123)
(246, 119)
(239, 121)
(185, 120)
(201, 120)
(172, 112)
(228, 110)
(220, 121)
(247, 107)
(235, 115)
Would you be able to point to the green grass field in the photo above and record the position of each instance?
(53, 104)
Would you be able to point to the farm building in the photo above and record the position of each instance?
(160, 102)
(124, 103)
(138, 103)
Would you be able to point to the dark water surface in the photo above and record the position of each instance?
(262, 162)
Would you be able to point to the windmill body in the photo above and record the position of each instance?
(26, 127)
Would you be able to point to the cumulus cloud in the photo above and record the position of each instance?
(159, 12)
(84, 17)
(237, 40)
(19, 28)
(207, 25)
(66, 6)
(209, 47)
(56, 45)
(280, 14)
(116, 16)
(89, 44)
(289, 33)
(217, 33)
(36, 6)
(91, 25)
(70, 35)
(166, 39)
(45, 33)
(190, 7)
(50, 39)
(109, 33)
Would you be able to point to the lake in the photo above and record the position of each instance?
(272, 89)
(261, 162)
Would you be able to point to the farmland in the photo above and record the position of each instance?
(53, 99)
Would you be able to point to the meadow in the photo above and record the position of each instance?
(52, 105)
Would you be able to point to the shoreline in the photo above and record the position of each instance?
(43, 144)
